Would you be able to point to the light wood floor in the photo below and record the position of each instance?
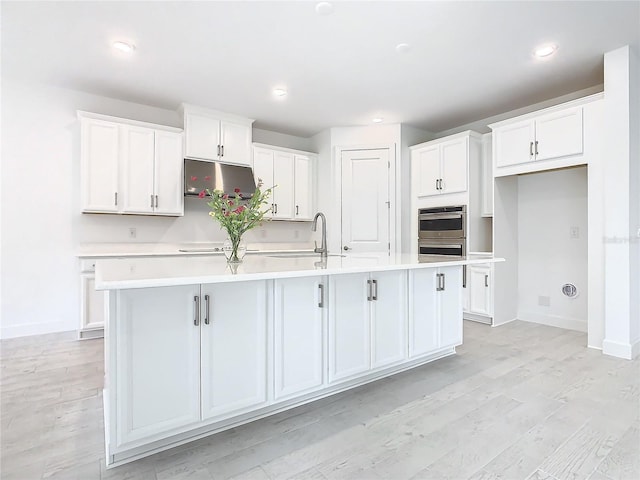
(521, 401)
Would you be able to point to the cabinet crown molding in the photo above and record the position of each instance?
(435, 141)
(555, 108)
(127, 121)
(283, 149)
(231, 117)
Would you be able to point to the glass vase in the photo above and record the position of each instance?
(234, 249)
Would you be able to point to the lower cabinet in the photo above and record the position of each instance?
(300, 305)
(185, 354)
(367, 322)
(480, 292)
(435, 315)
(91, 302)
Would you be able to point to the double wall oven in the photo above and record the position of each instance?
(442, 232)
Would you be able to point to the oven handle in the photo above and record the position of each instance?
(440, 245)
(439, 216)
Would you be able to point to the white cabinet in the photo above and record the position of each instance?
(234, 347)
(185, 354)
(130, 167)
(99, 154)
(543, 137)
(480, 291)
(299, 328)
(435, 316)
(91, 302)
(158, 362)
(440, 166)
(292, 175)
(367, 322)
(486, 180)
(211, 135)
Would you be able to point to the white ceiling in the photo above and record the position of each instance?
(468, 60)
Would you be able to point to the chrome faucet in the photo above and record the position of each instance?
(323, 247)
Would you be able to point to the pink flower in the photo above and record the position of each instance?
(231, 204)
(193, 179)
(207, 178)
(202, 194)
(225, 196)
(237, 190)
(240, 209)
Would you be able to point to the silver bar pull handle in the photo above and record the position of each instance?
(156, 201)
(222, 150)
(196, 310)
(486, 280)
(437, 184)
(297, 210)
(321, 295)
(536, 147)
(464, 276)
(206, 309)
(443, 285)
(276, 208)
(437, 282)
(441, 184)
(218, 150)
(115, 198)
(374, 295)
(369, 290)
(531, 149)
(151, 201)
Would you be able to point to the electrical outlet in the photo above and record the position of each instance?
(544, 301)
(574, 232)
(132, 232)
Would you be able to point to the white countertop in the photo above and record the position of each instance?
(161, 271)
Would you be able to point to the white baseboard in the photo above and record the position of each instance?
(29, 329)
(628, 351)
(554, 321)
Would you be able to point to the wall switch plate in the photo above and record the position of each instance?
(132, 232)
(544, 301)
(574, 232)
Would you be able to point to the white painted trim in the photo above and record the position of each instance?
(435, 141)
(28, 329)
(494, 324)
(627, 351)
(283, 149)
(108, 118)
(554, 321)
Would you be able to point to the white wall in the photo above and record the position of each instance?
(549, 204)
(42, 226)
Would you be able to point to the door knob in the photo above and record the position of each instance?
(345, 248)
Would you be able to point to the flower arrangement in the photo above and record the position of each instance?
(237, 214)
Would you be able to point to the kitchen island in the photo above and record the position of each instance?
(194, 346)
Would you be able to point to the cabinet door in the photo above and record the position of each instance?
(92, 303)
(138, 146)
(202, 136)
(454, 157)
(514, 143)
(450, 303)
(169, 199)
(423, 312)
(299, 335)
(388, 318)
(158, 362)
(480, 289)
(427, 169)
(234, 347)
(303, 187)
(559, 134)
(99, 165)
(349, 329)
(487, 176)
(235, 143)
(283, 179)
(263, 171)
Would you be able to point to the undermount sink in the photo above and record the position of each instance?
(302, 255)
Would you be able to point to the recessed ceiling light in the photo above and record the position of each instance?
(545, 50)
(324, 8)
(124, 47)
(377, 120)
(403, 48)
(279, 92)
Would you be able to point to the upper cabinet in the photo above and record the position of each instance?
(551, 138)
(291, 173)
(441, 166)
(130, 167)
(217, 136)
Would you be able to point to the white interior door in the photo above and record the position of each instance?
(365, 200)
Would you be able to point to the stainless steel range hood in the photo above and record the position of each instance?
(200, 175)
